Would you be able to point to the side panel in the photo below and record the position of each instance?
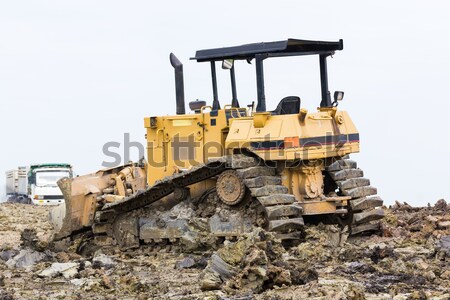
(176, 143)
(326, 133)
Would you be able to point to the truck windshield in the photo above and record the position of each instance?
(49, 178)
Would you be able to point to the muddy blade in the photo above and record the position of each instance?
(69, 217)
(80, 196)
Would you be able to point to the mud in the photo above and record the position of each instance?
(410, 259)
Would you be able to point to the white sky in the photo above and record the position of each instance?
(77, 74)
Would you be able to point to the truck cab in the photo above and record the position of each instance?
(42, 183)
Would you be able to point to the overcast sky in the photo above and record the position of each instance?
(77, 74)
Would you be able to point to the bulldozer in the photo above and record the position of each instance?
(219, 171)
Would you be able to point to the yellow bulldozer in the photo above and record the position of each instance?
(218, 171)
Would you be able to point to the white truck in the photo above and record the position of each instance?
(37, 184)
(17, 185)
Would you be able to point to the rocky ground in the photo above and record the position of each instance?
(410, 259)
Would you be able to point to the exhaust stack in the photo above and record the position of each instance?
(179, 83)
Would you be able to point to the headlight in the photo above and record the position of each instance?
(36, 197)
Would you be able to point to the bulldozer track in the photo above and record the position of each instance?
(105, 217)
(365, 204)
(282, 214)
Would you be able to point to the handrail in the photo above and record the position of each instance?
(238, 110)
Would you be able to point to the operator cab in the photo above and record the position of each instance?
(258, 52)
(262, 51)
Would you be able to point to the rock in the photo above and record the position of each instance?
(252, 278)
(279, 276)
(253, 263)
(417, 295)
(2, 280)
(412, 251)
(78, 281)
(444, 224)
(4, 295)
(399, 267)
(432, 219)
(421, 264)
(210, 281)
(441, 204)
(354, 292)
(61, 245)
(430, 275)
(190, 241)
(186, 263)
(106, 282)
(445, 275)
(443, 246)
(359, 267)
(202, 263)
(221, 267)
(8, 254)
(25, 258)
(68, 270)
(28, 238)
(337, 237)
(379, 251)
(62, 257)
(103, 261)
(303, 276)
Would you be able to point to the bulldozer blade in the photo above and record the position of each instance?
(76, 212)
(82, 197)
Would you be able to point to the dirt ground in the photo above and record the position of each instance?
(410, 259)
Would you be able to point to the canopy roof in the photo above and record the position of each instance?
(289, 47)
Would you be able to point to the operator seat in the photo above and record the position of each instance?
(288, 106)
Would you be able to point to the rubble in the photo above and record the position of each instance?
(253, 263)
(103, 261)
(186, 263)
(8, 254)
(25, 258)
(443, 245)
(68, 270)
(409, 259)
